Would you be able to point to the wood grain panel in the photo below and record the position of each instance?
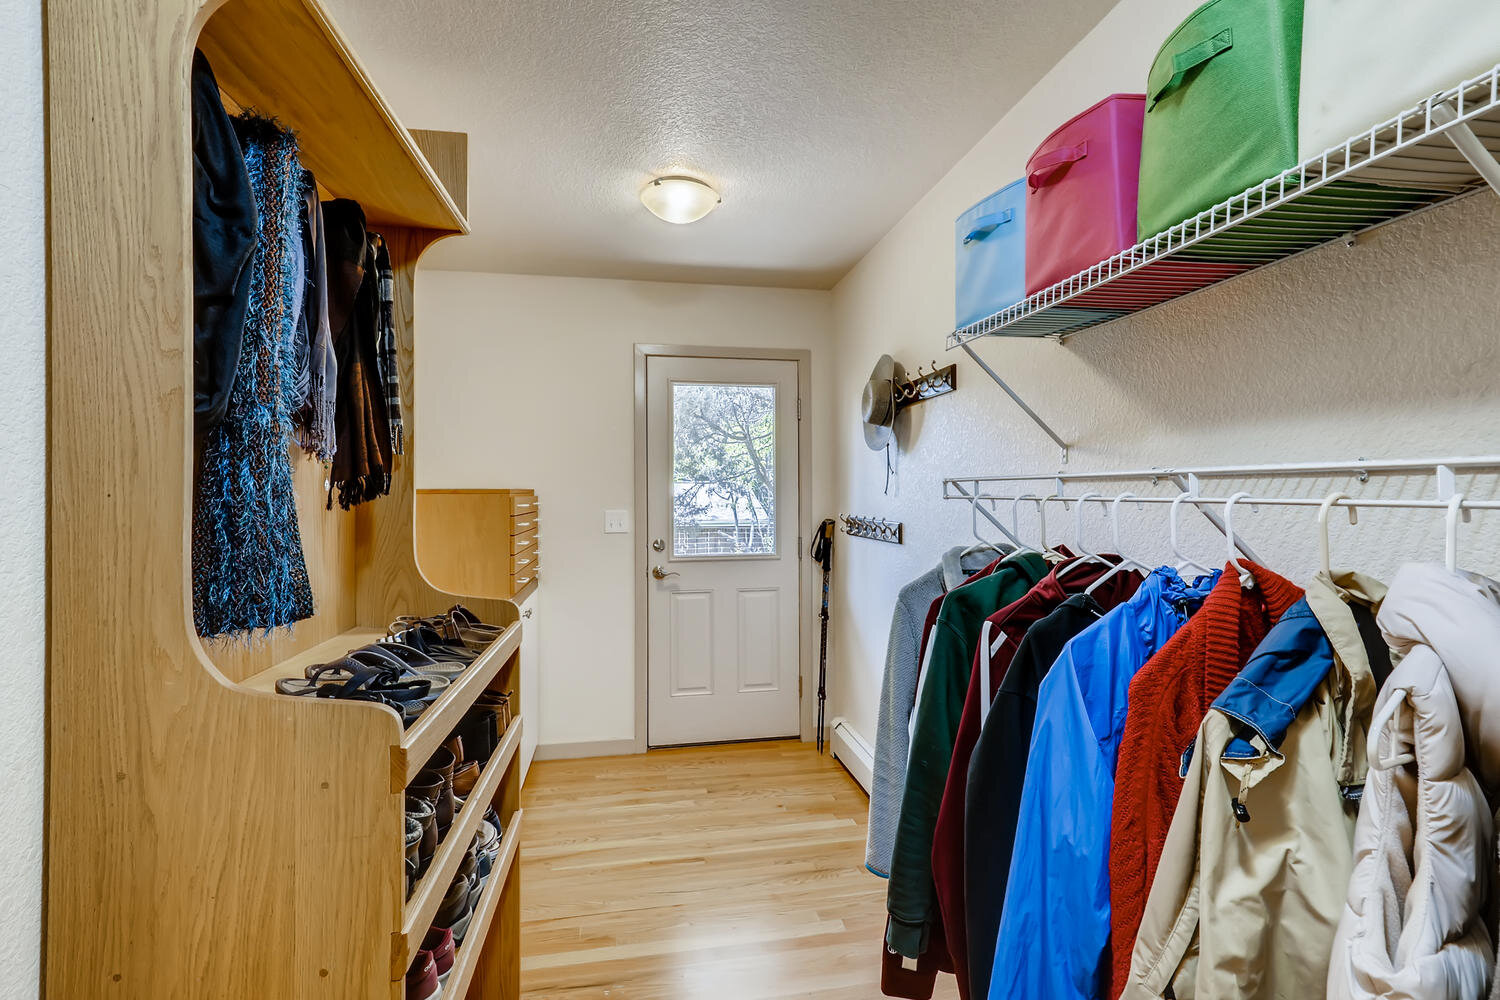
(203, 839)
(448, 153)
(285, 57)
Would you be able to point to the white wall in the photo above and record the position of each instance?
(529, 382)
(1385, 350)
(23, 466)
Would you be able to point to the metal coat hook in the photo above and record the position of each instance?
(875, 529)
(929, 383)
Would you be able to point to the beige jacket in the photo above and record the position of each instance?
(1257, 860)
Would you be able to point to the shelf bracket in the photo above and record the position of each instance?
(1468, 144)
(1021, 403)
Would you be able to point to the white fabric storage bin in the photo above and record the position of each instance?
(1363, 61)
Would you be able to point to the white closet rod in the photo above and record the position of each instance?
(1363, 468)
(1187, 479)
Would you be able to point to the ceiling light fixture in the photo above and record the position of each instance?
(679, 200)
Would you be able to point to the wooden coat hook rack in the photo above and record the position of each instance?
(927, 385)
(878, 529)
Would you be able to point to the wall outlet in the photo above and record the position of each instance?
(617, 522)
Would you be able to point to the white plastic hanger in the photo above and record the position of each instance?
(1085, 555)
(1247, 579)
(1015, 526)
(1125, 563)
(1327, 505)
(1455, 508)
(1183, 562)
(1048, 552)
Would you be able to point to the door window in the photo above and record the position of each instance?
(723, 470)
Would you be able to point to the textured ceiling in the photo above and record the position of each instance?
(820, 123)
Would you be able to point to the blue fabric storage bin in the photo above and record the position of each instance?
(990, 241)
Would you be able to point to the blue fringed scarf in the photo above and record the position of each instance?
(248, 567)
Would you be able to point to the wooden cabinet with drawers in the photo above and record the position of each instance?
(481, 542)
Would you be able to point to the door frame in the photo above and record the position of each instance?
(806, 615)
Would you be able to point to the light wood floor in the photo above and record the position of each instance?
(730, 873)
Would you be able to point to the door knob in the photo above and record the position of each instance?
(658, 544)
(661, 574)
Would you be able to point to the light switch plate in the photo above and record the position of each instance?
(616, 522)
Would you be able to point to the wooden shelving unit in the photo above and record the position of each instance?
(206, 836)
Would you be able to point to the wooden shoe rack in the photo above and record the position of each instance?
(207, 837)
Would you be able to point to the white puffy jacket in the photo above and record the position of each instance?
(1412, 927)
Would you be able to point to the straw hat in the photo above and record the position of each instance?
(878, 406)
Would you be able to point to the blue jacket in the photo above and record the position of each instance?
(1055, 925)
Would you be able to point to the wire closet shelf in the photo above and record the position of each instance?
(1435, 151)
(1053, 488)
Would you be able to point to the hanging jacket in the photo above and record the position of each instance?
(999, 638)
(998, 766)
(1055, 921)
(1168, 700)
(910, 898)
(1411, 928)
(1256, 865)
(898, 690)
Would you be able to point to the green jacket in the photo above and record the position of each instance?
(910, 897)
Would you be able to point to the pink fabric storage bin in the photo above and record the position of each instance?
(1081, 188)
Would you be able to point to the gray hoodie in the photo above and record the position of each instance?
(898, 693)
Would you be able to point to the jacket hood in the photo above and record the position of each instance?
(1457, 616)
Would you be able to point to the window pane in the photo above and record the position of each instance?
(723, 470)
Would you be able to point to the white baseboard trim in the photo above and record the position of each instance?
(572, 751)
(851, 749)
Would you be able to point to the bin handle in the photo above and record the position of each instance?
(1048, 167)
(1190, 59)
(986, 224)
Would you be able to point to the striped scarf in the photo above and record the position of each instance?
(385, 331)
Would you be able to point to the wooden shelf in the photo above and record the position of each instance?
(428, 894)
(286, 58)
(467, 960)
(432, 728)
(305, 773)
(429, 732)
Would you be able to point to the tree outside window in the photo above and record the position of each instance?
(723, 469)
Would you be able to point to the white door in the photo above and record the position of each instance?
(721, 462)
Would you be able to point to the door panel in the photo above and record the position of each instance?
(759, 642)
(692, 639)
(721, 461)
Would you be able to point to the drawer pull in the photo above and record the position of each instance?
(522, 562)
(523, 525)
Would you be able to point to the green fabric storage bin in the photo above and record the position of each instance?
(1221, 108)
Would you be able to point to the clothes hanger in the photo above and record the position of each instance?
(1126, 563)
(1183, 562)
(1023, 548)
(1085, 556)
(981, 543)
(1247, 579)
(1048, 552)
(1323, 509)
(1455, 507)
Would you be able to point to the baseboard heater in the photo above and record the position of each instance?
(850, 749)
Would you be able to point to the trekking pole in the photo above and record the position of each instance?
(822, 551)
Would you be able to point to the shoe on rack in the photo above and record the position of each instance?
(439, 941)
(422, 978)
(425, 813)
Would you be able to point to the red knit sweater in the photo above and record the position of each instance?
(1169, 697)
